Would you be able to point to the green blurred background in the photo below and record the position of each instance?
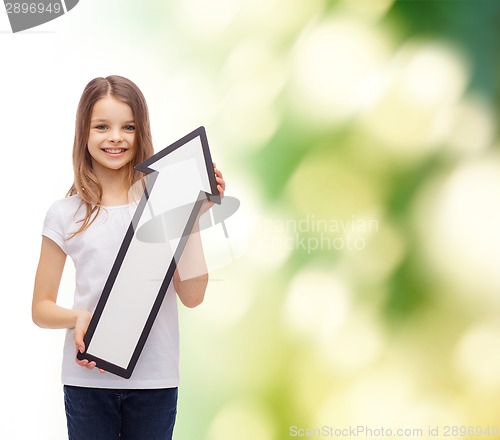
(361, 138)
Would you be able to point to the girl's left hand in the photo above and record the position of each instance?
(221, 187)
(221, 183)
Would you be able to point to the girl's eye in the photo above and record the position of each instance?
(101, 127)
(129, 128)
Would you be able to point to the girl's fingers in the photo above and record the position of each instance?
(88, 365)
(85, 363)
(221, 187)
(219, 178)
(222, 182)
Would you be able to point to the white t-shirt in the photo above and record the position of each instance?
(93, 252)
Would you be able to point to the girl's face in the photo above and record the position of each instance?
(111, 136)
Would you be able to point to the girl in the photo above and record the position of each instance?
(112, 136)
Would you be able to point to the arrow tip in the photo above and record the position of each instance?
(155, 162)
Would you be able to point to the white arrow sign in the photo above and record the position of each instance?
(180, 175)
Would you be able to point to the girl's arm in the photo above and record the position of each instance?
(44, 310)
(191, 291)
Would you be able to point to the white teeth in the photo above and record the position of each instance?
(114, 150)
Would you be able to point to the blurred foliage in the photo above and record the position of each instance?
(473, 25)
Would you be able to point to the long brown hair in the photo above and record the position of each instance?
(85, 182)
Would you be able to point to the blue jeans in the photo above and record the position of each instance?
(109, 414)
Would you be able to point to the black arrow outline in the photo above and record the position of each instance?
(152, 176)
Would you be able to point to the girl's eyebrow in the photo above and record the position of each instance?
(93, 121)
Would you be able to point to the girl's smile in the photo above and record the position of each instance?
(114, 151)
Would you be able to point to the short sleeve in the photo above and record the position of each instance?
(53, 227)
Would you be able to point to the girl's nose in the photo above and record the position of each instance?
(115, 137)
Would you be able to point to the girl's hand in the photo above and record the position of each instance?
(221, 183)
(221, 187)
(81, 326)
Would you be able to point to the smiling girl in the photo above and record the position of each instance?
(112, 136)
